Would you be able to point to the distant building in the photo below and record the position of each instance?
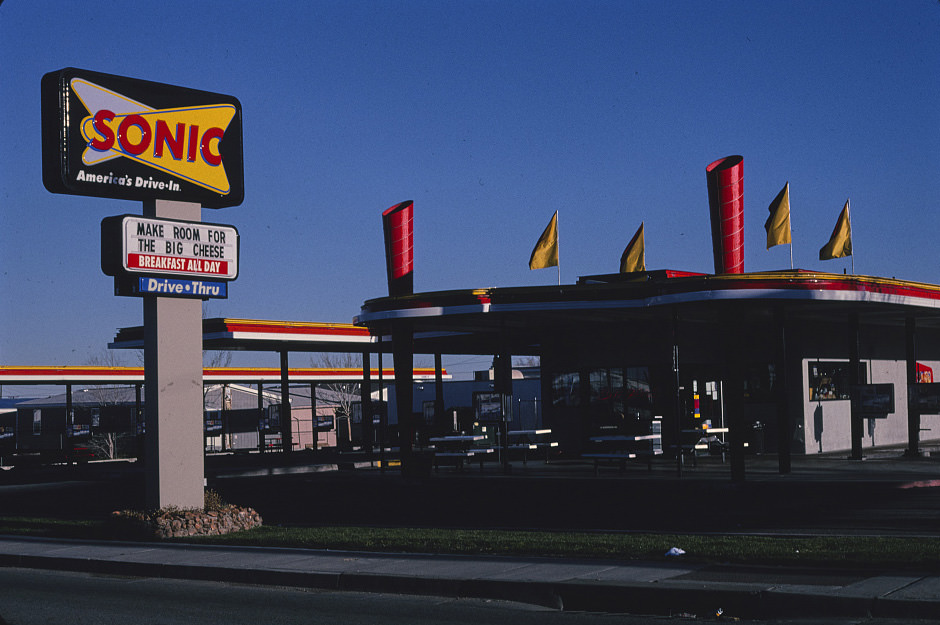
(232, 419)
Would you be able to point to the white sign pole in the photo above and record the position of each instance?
(173, 385)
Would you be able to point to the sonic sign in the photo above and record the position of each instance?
(115, 137)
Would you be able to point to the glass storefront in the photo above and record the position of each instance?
(594, 400)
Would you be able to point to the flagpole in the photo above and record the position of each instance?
(790, 221)
(558, 246)
(848, 212)
(644, 248)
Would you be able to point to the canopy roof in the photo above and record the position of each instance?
(264, 335)
(478, 321)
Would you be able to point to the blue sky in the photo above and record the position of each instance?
(490, 116)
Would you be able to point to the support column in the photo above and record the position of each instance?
(287, 427)
(138, 423)
(365, 401)
(313, 415)
(383, 408)
(782, 396)
(502, 378)
(261, 429)
(439, 393)
(173, 377)
(403, 354)
(546, 377)
(737, 422)
(677, 420)
(222, 417)
(913, 407)
(735, 372)
(68, 444)
(857, 425)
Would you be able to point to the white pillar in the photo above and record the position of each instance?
(173, 386)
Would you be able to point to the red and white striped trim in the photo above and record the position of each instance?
(135, 375)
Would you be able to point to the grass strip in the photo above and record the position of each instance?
(902, 553)
(51, 527)
(883, 552)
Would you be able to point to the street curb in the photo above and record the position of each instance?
(750, 601)
(660, 598)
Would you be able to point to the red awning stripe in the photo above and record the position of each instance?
(130, 375)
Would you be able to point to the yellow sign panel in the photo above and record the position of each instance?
(180, 141)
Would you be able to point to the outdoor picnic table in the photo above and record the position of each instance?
(459, 447)
(623, 447)
(528, 440)
(706, 434)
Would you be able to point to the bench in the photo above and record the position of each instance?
(619, 448)
(460, 448)
(620, 458)
(700, 441)
(529, 440)
(460, 456)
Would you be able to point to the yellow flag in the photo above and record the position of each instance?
(545, 253)
(634, 257)
(840, 243)
(778, 224)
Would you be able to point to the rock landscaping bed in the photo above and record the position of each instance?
(216, 519)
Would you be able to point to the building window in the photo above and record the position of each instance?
(602, 386)
(637, 395)
(427, 412)
(760, 384)
(37, 422)
(566, 389)
(625, 389)
(487, 406)
(612, 392)
(620, 396)
(832, 380)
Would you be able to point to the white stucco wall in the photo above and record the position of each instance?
(827, 423)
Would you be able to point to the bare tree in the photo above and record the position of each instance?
(106, 394)
(526, 361)
(344, 393)
(106, 443)
(213, 359)
(216, 358)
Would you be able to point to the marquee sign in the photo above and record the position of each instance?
(168, 247)
(116, 137)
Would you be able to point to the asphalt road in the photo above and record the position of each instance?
(37, 597)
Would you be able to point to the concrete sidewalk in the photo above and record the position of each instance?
(670, 587)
